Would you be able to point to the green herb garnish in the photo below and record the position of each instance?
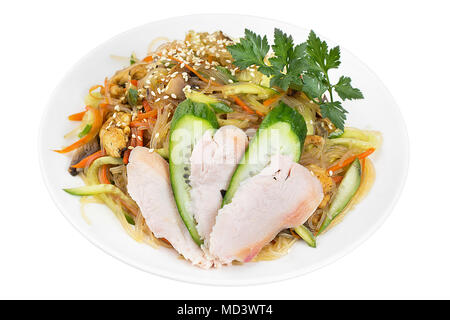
(300, 67)
(132, 96)
(133, 59)
(85, 131)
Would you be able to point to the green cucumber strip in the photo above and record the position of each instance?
(306, 235)
(346, 190)
(282, 131)
(248, 88)
(85, 131)
(190, 121)
(217, 105)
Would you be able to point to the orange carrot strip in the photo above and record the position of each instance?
(139, 138)
(274, 99)
(148, 59)
(126, 156)
(77, 116)
(146, 106)
(89, 159)
(134, 83)
(337, 179)
(96, 125)
(351, 159)
(193, 71)
(94, 88)
(103, 174)
(139, 124)
(242, 104)
(150, 114)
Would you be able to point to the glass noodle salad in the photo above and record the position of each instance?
(229, 99)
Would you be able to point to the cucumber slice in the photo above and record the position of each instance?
(282, 131)
(217, 105)
(248, 88)
(306, 235)
(345, 192)
(190, 121)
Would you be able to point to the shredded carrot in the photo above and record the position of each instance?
(127, 152)
(77, 116)
(89, 159)
(134, 83)
(337, 179)
(148, 59)
(294, 234)
(94, 88)
(347, 161)
(193, 71)
(274, 99)
(242, 104)
(126, 156)
(146, 106)
(96, 125)
(107, 86)
(363, 164)
(139, 138)
(149, 114)
(103, 174)
(139, 123)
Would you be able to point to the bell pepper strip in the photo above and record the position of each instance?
(77, 116)
(89, 159)
(348, 161)
(96, 125)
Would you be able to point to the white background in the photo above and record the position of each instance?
(406, 43)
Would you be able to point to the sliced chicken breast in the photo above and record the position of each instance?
(283, 195)
(213, 161)
(149, 185)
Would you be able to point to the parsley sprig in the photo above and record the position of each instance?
(302, 67)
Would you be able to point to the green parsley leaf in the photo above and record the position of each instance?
(345, 90)
(251, 49)
(313, 87)
(300, 67)
(335, 112)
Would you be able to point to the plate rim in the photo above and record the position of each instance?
(220, 282)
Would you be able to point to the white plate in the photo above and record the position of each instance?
(377, 111)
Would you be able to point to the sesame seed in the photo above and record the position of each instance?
(330, 172)
(230, 81)
(151, 150)
(153, 93)
(139, 138)
(133, 136)
(166, 97)
(173, 95)
(130, 147)
(117, 108)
